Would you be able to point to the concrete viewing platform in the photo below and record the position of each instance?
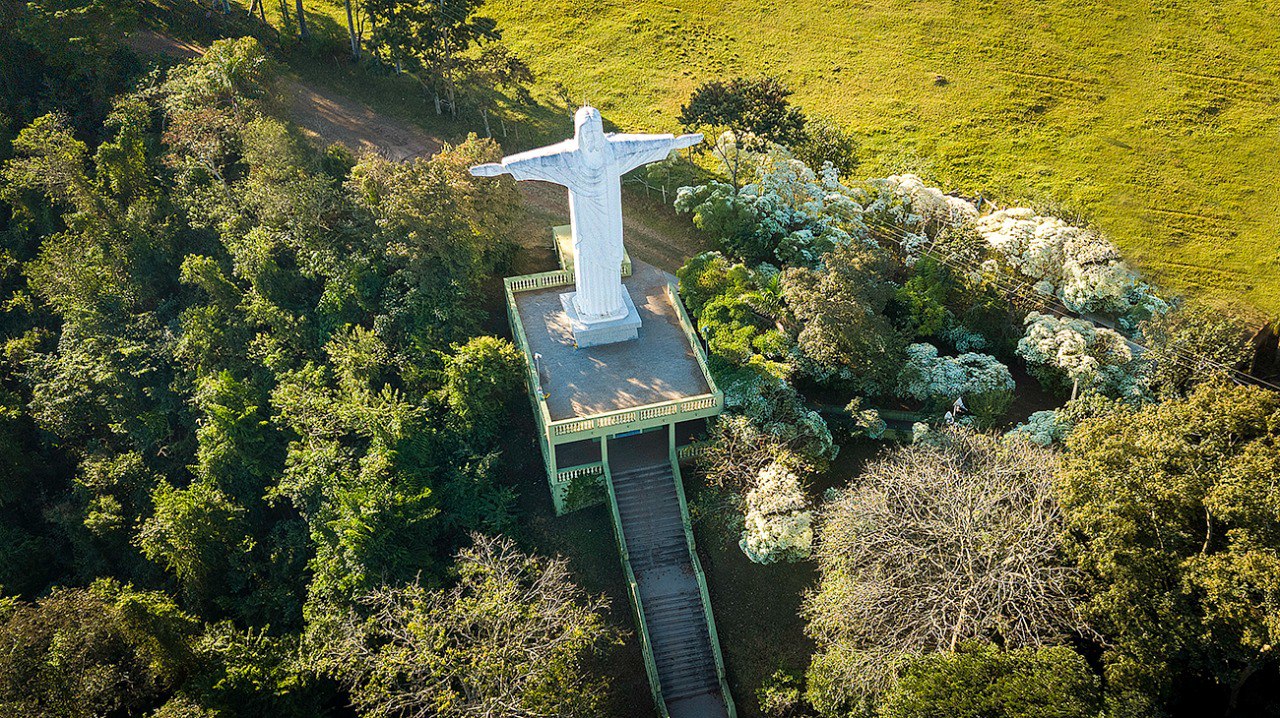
(583, 395)
(658, 366)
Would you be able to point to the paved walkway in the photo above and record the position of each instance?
(658, 366)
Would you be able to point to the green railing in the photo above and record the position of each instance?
(564, 476)
(613, 422)
(641, 417)
(650, 665)
(691, 333)
(701, 577)
(689, 452)
(523, 284)
(541, 280)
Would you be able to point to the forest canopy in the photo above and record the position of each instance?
(262, 452)
(243, 389)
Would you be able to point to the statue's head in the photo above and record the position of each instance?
(589, 130)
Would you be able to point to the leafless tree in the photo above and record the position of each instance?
(507, 640)
(937, 543)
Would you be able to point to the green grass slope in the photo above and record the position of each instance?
(1157, 121)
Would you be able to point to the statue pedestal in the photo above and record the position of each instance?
(607, 332)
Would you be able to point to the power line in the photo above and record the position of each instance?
(902, 238)
(1051, 302)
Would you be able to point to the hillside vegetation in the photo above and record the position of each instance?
(1157, 121)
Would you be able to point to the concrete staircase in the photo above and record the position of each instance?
(653, 529)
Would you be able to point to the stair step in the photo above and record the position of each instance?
(691, 637)
(687, 676)
(673, 612)
(680, 598)
(676, 691)
(653, 530)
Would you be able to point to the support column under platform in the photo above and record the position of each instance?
(592, 334)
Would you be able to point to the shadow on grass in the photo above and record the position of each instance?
(324, 61)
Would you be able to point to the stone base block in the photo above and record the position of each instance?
(608, 332)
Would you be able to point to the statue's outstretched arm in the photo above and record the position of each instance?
(544, 163)
(491, 169)
(632, 151)
(684, 141)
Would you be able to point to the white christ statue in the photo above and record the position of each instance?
(591, 165)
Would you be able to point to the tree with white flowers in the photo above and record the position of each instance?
(778, 525)
(912, 204)
(980, 379)
(1074, 351)
(1077, 265)
(785, 212)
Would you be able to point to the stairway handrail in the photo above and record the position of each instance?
(646, 647)
(701, 578)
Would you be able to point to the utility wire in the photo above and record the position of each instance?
(1026, 290)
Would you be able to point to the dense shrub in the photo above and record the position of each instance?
(778, 526)
(982, 681)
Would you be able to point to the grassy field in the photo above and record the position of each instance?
(1159, 121)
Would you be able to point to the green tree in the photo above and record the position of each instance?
(731, 219)
(67, 55)
(254, 673)
(925, 297)
(430, 39)
(709, 275)
(361, 474)
(199, 534)
(237, 450)
(758, 106)
(510, 638)
(481, 378)
(825, 141)
(224, 366)
(109, 649)
(1173, 515)
(438, 233)
(839, 319)
(233, 73)
(1192, 344)
(982, 681)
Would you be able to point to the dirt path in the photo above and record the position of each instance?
(653, 233)
(321, 115)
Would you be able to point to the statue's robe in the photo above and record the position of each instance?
(595, 208)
